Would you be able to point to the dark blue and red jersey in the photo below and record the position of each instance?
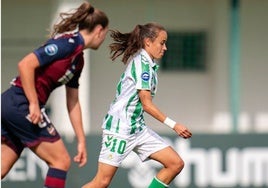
(61, 62)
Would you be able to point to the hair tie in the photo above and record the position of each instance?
(91, 10)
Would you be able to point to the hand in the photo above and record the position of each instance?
(34, 115)
(182, 131)
(81, 156)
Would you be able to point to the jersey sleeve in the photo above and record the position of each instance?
(74, 82)
(143, 74)
(55, 49)
(79, 63)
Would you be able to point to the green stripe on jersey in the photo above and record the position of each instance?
(131, 99)
(133, 71)
(137, 112)
(119, 85)
(108, 120)
(133, 121)
(117, 127)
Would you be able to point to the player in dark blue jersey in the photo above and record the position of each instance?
(24, 122)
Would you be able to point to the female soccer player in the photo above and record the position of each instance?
(59, 61)
(124, 128)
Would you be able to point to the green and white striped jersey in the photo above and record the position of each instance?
(125, 115)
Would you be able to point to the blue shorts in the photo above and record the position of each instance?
(16, 130)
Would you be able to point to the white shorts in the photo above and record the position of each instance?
(115, 148)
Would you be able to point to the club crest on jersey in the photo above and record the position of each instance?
(51, 130)
(51, 49)
(145, 76)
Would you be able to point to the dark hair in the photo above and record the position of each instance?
(129, 43)
(84, 17)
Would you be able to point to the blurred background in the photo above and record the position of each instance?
(213, 78)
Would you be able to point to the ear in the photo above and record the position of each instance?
(147, 42)
(97, 30)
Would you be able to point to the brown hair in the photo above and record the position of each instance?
(129, 43)
(84, 17)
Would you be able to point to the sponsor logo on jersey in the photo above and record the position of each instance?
(71, 40)
(145, 76)
(51, 49)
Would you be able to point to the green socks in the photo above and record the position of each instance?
(156, 183)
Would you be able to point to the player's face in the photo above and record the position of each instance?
(157, 48)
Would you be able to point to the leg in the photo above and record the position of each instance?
(54, 154)
(172, 162)
(8, 159)
(58, 160)
(103, 177)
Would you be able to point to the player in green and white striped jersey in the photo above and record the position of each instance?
(124, 128)
(126, 113)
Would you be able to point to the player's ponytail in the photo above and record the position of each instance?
(129, 43)
(84, 17)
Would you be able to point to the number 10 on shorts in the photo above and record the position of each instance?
(115, 145)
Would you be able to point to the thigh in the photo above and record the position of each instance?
(53, 153)
(167, 156)
(8, 159)
(105, 172)
(103, 177)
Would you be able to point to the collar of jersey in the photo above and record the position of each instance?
(151, 62)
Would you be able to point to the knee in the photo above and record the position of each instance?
(105, 182)
(65, 162)
(180, 165)
(177, 166)
(62, 163)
